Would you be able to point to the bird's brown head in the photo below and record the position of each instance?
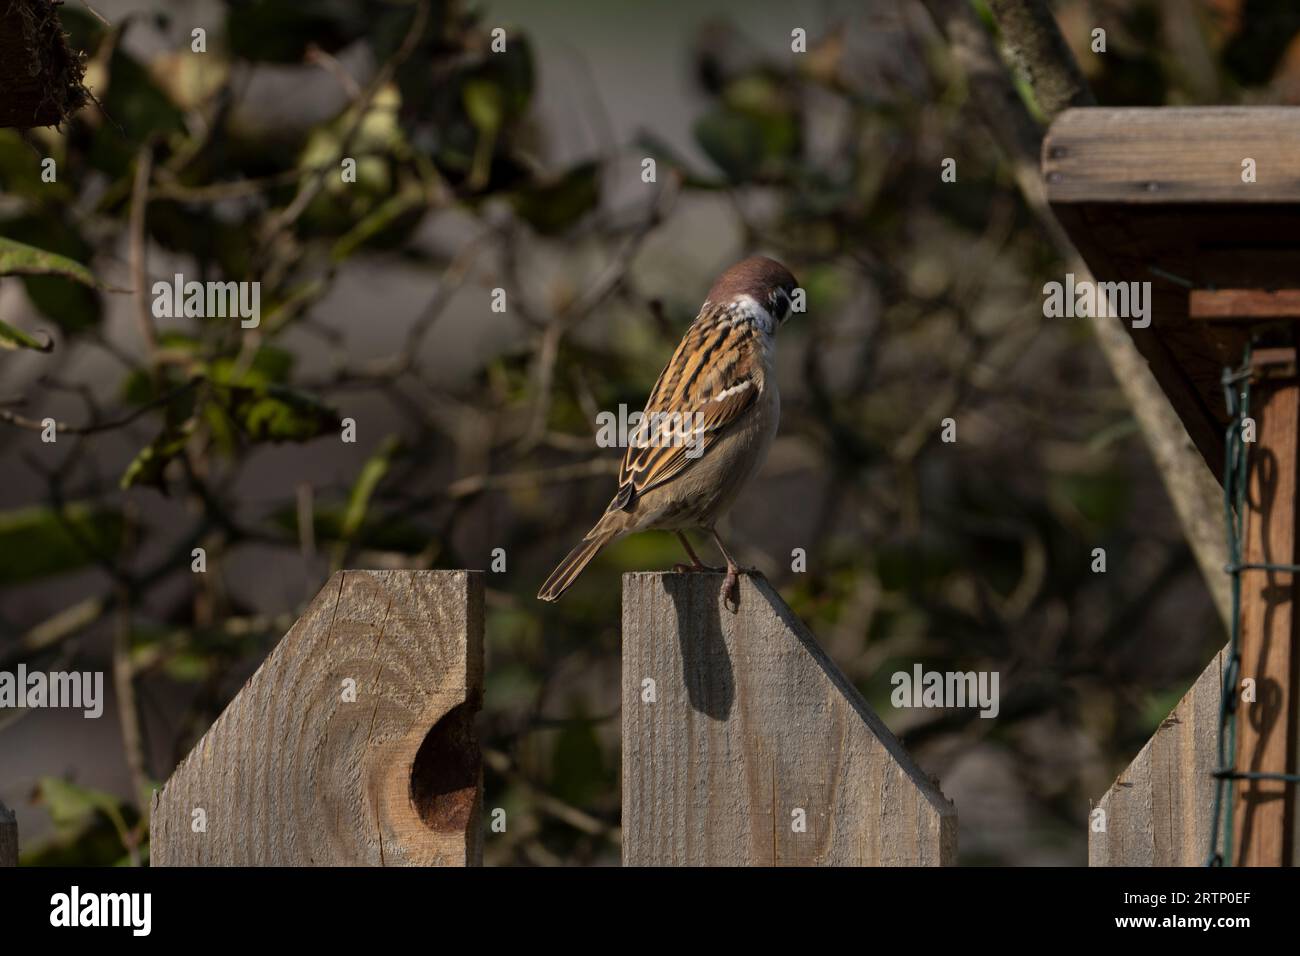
(768, 282)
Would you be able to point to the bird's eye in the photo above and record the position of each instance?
(781, 308)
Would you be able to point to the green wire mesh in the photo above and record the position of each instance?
(1236, 472)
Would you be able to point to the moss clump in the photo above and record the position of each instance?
(40, 77)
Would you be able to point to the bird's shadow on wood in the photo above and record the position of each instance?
(706, 663)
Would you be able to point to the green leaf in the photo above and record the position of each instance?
(391, 216)
(151, 462)
(70, 805)
(138, 387)
(733, 141)
(378, 135)
(274, 413)
(47, 253)
(11, 338)
(1102, 498)
(17, 258)
(270, 366)
(137, 108)
(20, 173)
(91, 827)
(278, 31)
(578, 769)
(500, 88)
(551, 208)
(484, 104)
(36, 542)
(372, 473)
(188, 666)
(84, 30)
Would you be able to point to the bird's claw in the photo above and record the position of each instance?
(731, 589)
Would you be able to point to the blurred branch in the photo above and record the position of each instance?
(139, 277)
(54, 630)
(128, 708)
(96, 14)
(1030, 34)
(73, 620)
(1184, 26)
(1041, 54)
(95, 427)
(551, 806)
(172, 188)
(331, 65)
(475, 484)
(312, 186)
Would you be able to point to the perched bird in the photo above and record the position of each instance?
(706, 427)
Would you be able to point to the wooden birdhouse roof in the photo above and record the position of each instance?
(1167, 196)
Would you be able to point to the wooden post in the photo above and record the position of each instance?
(1146, 812)
(1254, 305)
(1169, 199)
(352, 744)
(8, 837)
(1158, 195)
(1160, 810)
(744, 744)
(1264, 810)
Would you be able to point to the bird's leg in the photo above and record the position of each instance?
(696, 564)
(730, 586)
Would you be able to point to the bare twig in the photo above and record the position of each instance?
(96, 14)
(95, 427)
(128, 712)
(139, 202)
(332, 66)
(1041, 54)
(548, 804)
(476, 484)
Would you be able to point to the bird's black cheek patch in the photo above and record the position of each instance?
(781, 309)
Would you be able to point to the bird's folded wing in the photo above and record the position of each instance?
(712, 381)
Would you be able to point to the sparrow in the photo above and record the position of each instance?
(706, 427)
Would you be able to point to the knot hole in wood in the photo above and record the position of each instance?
(446, 771)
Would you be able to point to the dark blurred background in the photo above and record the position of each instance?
(475, 429)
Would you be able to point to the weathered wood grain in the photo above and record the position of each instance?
(1264, 811)
(1160, 809)
(8, 837)
(751, 723)
(1156, 195)
(293, 773)
(1169, 154)
(1243, 305)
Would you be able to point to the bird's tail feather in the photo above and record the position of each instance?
(572, 565)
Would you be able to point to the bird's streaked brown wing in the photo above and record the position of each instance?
(713, 379)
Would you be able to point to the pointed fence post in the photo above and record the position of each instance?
(1196, 249)
(743, 744)
(1159, 811)
(352, 744)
